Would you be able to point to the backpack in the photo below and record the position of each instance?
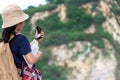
(8, 70)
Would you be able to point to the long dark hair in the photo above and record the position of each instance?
(7, 33)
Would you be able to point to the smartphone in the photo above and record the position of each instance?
(38, 31)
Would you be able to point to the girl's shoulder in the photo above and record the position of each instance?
(20, 37)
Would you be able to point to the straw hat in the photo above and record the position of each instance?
(12, 15)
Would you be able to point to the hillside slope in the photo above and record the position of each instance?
(82, 39)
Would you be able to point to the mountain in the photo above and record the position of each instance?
(82, 39)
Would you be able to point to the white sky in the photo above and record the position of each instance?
(22, 3)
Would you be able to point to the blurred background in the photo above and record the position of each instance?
(82, 38)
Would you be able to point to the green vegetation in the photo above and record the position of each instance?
(57, 32)
(71, 2)
(31, 10)
(118, 1)
(50, 72)
(115, 9)
(0, 24)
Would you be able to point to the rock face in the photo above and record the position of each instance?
(111, 26)
(61, 9)
(85, 60)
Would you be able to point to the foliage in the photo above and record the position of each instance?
(50, 72)
(31, 10)
(98, 19)
(94, 5)
(0, 24)
(118, 1)
(115, 9)
(74, 2)
(79, 17)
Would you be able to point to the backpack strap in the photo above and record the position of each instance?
(12, 36)
(22, 69)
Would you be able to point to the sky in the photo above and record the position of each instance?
(22, 3)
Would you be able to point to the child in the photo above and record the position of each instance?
(34, 44)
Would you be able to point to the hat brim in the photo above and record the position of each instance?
(15, 21)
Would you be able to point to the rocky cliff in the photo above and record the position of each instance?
(84, 60)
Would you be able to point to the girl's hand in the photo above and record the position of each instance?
(41, 36)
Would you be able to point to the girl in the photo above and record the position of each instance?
(13, 22)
